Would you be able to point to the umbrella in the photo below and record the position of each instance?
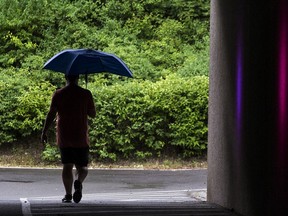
(87, 61)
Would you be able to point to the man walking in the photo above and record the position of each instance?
(73, 105)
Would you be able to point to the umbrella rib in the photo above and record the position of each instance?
(70, 65)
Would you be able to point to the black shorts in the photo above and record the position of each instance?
(77, 156)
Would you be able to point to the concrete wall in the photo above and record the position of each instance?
(248, 111)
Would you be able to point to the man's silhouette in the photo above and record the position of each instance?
(72, 105)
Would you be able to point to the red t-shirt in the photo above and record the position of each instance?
(72, 104)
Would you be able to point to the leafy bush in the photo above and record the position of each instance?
(154, 114)
(23, 104)
(140, 119)
(197, 60)
(134, 119)
(51, 153)
(151, 36)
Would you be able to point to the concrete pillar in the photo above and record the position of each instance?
(248, 106)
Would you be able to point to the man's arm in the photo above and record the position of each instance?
(49, 120)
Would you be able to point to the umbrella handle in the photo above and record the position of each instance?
(86, 79)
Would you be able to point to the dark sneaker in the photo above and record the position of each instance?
(67, 198)
(77, 196)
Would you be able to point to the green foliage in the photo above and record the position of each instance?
(140, 119)
(32, 107)
(197, 61)
(151, 36)
(51, 153)
(23, 104)
(156, 113)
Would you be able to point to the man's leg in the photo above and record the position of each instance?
(67, 177)
(81, 164)
(81, 173)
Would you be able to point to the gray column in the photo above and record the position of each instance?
(247, 138)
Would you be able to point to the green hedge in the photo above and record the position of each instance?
(138, 118)
(24, 104)
(144, 119)
(135, 119)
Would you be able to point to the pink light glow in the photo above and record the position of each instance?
(282, 85)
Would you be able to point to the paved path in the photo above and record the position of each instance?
(27, 183)
(107, 192)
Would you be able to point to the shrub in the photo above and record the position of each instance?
(140, 119)
(135, 119)
(23, 106)
(51, 153)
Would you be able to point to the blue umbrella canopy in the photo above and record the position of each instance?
(87, 61)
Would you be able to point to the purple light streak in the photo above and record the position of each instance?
(239, 81)
(239, 87)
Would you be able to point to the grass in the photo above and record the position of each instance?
(160, 164)
(29, 154)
